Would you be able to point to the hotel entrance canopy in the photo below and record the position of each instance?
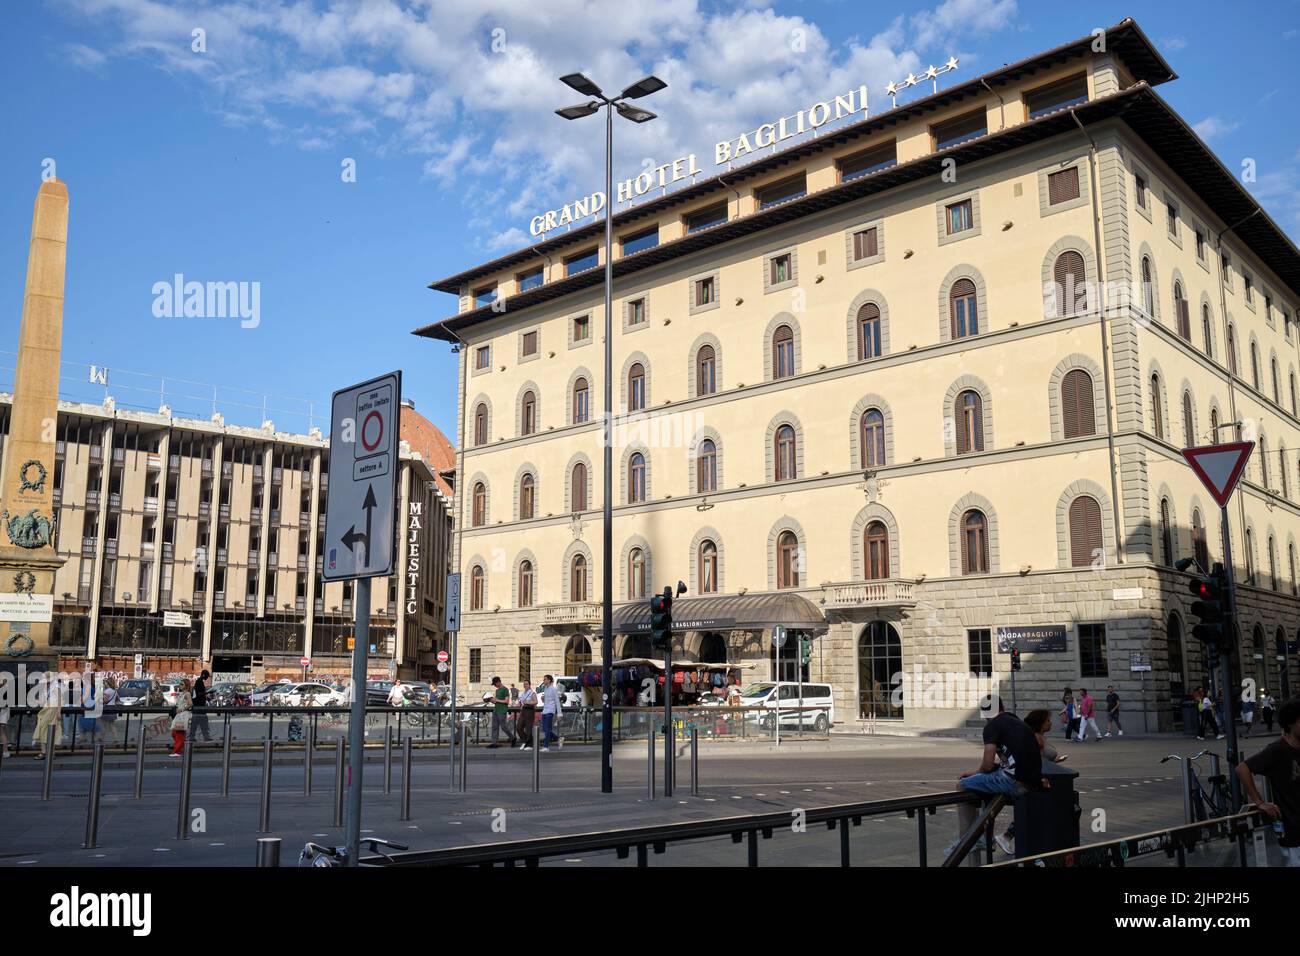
(736, 612)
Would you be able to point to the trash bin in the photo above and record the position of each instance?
(1190, 718)
(1048, 820)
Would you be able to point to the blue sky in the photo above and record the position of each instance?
(225, 164)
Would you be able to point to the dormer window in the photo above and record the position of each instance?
(581, 262)
(1057, 96)
(485, 296)
(960, 130)
(530, 279)
(646, 239)
(868, 161)
(786, 190)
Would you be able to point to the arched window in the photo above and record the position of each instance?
(1181, 310)
(782, 352)
(1277, 392)
(1071, 294)
(1250, 556)
(636, 582)
(527, 496)
(706, 371)
(525, 583)
(1085, 531)
(1189, 422)
(1166, 534)
(477, 588)
(868, 331)
(636, 387)
(1291, 379)
(786, 462)
(1263, 461)
(875, 564)
(1281, 457)
(478, 508)
(1232, 350)
(1148, 288)
(528, 414)
(636, 478)
(706, 467)
(1290, 560)
(480, 424)
(578, 488)
(581, 402)
(1272, 563)
(578, 578)
(1214, 424)
(1174, 634)
(872, 438)
(787, 560)
(1205, 331)
(1254, 365)
(970, 422)
(577, 654)
(962, 309)
(880, 659)
(1200, 547)
(1157, 419)
(974, 543)
(1078, 417)
(708, 568)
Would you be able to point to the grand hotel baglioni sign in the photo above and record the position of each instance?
(725, 152)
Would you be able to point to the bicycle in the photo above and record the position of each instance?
(313, 854)
(1217, 801)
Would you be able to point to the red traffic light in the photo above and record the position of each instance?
(1203, 589)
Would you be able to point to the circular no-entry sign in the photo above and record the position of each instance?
(372, 430)
(443, 657)
(305, 662)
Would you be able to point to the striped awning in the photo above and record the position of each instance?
(734, 612)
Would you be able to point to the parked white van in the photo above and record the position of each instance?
(787, 694)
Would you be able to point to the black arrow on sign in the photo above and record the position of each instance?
(352, 537)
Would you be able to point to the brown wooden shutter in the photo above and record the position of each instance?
(1063, 185)
(959, 414)
(1077, 413)
(1068, 274)
(1184, 320)
(1085, 530)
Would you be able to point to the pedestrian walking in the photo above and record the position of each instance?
(1266, 707)
(514, 693)
(1280, 763)
(108, 718)
(397, 694)
(199, 716)
(1206, 719)
(550, 710)
(51, 715)
(1087, 716)
(1112, 712)
(527, 716)
(1247, 710)
(1069, 713)
(184, 714)
(500, 713)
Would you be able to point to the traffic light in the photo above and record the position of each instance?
(1209, 608)
(1015, 658)
(661, 620)
(805, 650)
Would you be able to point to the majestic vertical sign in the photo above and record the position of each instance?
(413, 527)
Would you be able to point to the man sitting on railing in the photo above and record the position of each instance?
(1280, 762)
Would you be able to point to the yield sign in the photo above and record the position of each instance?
(1219, 467)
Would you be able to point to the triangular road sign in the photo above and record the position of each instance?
(1219, 467)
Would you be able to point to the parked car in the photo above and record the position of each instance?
(140, 692)
(570, 691)
(169, 691)
(262, 697)
(231, 694)
(790, 694)
(417, 692)
(308, 695)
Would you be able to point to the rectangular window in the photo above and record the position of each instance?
(1057, 96)
(704, 291)
(530, 343)
(483, 357)
(960, 217)
(1171, 217)
(979, 644)
(581, 328)
(1092, 651)
(959, 130)
(475, 665)
(641, 240)
(1063, 185)
(581, 262)
(525, 664)
(705, 218)
(865, 244)
(485, 296)
(636, 312)
(1248, 282)
(1200, 244)
(779, 269)
(1141, 189)
(868, 161)
(530, 279)
(784, 191)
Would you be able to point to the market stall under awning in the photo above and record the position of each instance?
(735, 612)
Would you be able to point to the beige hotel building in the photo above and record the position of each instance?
(921, 377)
(193, 543)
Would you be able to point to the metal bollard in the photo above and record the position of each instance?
(338, 783)
(309, 750)
(388, 758)
(264, 822)
(408, 771)
(225, 760)
(670, 758)
(537, 761)
(695, 761)
(187, 769)
(650, 762)
(464, 761)
(92, 809)
(139, 764)
(268, 851)
(48, 776)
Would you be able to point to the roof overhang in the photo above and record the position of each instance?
(732, 612)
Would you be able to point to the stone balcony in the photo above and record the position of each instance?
(866, 594)
(564, 615)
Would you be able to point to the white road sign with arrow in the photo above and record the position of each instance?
(359, 514)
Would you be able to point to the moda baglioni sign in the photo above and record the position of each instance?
(724, 152)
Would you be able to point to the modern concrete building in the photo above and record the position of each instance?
(195, 543)
(901, 385)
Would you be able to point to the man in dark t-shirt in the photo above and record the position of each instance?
(1008, 737)
(1112, 712)
(1280, 763)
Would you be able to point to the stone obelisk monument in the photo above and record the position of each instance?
(28, 561)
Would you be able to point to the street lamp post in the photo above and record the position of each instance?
(596, 99)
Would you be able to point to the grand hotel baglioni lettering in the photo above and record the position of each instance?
(725, 152)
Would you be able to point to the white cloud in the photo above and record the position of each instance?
(85, 57)
(1214, 126)
(960, 19)
(1173, 43)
